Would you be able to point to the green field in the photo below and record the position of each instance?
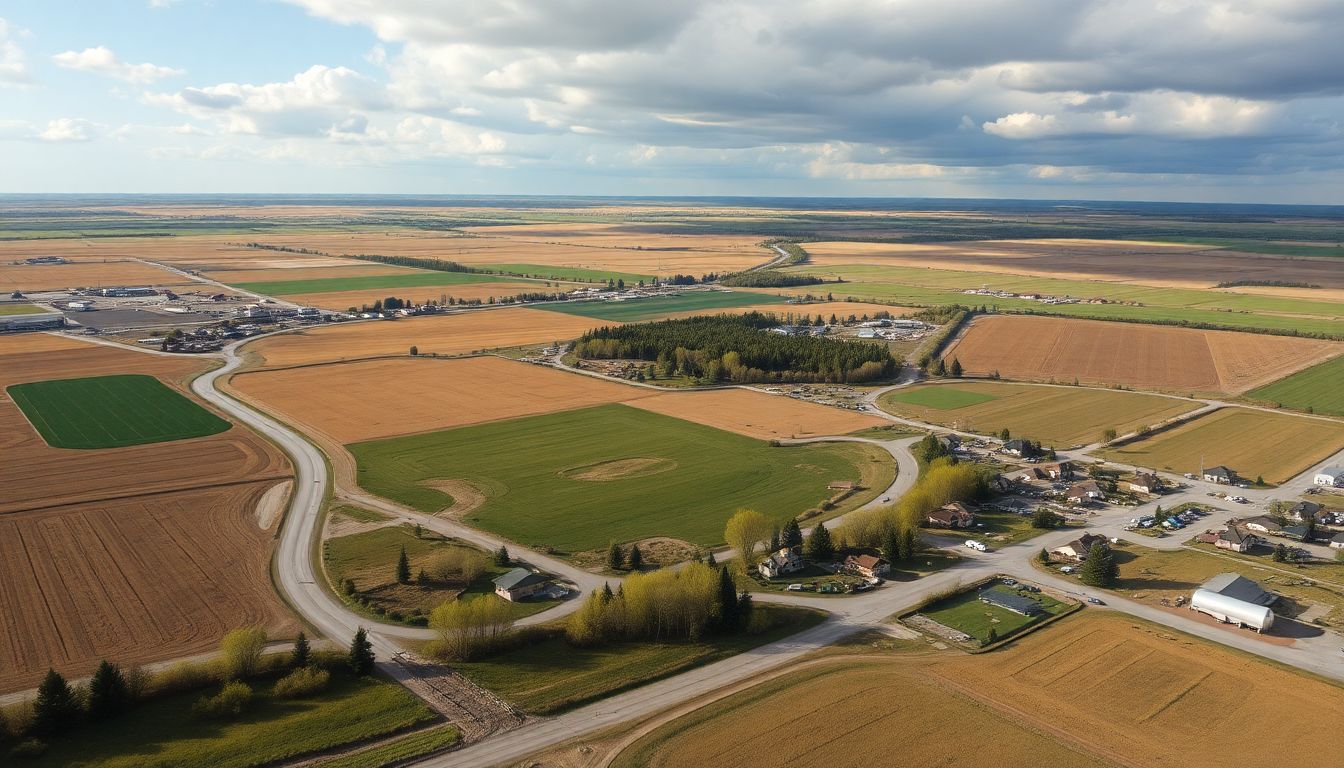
(636, 310)
(417, 744)
(111, 411)
(547, 272)
(20, 309)
(163, 733)
(964, 612)
(336, 284)
(551, 675)
(674, 478)
(1319, 388)
(1058, 416)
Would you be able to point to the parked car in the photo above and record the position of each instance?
(977, 546)
(795, 587)
(1094, 601)
(1189, 475)
(1066, 569)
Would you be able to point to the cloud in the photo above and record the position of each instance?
(13, 62)
(103, 61)
(1184, 115)
(68, 129)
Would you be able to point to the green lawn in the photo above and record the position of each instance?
(394, 753)
(111, 411)
(164, 734)
(547, 272)
(335, 284)
(965, 612)
(1320, 388)
(943, 398)
(20, 309)
(646, 475)
(551, 675)
(635, 310)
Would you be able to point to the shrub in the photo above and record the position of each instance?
(467, 628)
(241, 652)
(300, 683)
(231, 701)
(459, 564)
(28, 749)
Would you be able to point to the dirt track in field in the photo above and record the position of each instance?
(1142, 356)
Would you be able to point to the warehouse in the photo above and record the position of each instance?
(1234, 599)
(31, 322)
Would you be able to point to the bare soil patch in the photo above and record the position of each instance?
(271, 505)
(466, 496)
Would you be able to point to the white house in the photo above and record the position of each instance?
(1220, 474)
(1330, 476)
(781, 562)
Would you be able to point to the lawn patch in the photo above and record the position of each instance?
(111, 412)
(967, 613)
(940, 397)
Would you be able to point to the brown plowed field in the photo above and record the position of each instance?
(134, 581)
(757, 414)
(445, 335)
(365, 400)
(81, 274)
(342, 300)
(1140, 356)
(1089, 691)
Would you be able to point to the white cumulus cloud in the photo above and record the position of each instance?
(102, 61)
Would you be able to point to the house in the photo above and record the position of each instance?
(1003, 483)
(953, 515)
(779, 563)
(1025, 475)
(1220, 474)
(1237, 539)
(1084, 491)
(867, 565)
(1145, 482)
(842, 485)
(1300, 532)
(1018, 447)
(1077, 549)
(1337, 541)
(1304, 511)
(1259, 524)
(1059, 471)
(1330, 476)
(519, 584)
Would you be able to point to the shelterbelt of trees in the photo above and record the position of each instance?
(738, 348)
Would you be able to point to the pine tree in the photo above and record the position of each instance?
(302, 652)
(403, 568)
(55, 710)
(744, 608)
(502, 558)
(361, 653)
(109, 695)
(956, 369)
(709, 559)
(607, 594)
(891, 544)
(819, 545)
(909, 542)
(615, 557)
(636, 558)
(776, 540)
(1099, 569)
(725, 613)
(793, 534)
(418, 530)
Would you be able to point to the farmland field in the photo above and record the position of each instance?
(548, 272)
(756, 414)
(579, 479)
(444, 335)
(1253, 443)
(80, 274)
(407, 279)
(1319, 388)
(20, 309)
(1152, 697)
(636, 310)
(1058, 416)
(1142, 356)
(343, 300)
(111, 412)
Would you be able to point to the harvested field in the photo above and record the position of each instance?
(444, 335)
(1058, 416)
(81, 274)
(756, 414)
(1254, 443)
(659, 307)
(1153, 698)
(133, 580)
(358, 401)
(299, 270)
(405, 280)
(343, 300)
(1143, 356)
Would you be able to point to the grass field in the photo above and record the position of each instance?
(396, 752)
(547, 272)
(111, 411)
(1319, 388)
(1253, 443)
(964, 612)
(163, 733)
(1058, 416)
(552, 675)
(636, 310)
(20, 309)
(579, 479)
(334, 284)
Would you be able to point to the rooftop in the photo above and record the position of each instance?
(1238, 587)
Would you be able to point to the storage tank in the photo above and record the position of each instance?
(1231, 610)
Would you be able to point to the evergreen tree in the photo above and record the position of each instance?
(891, 544)
(909, 542)
(956, 369)
(56, 709)
(819, 545)
(939, 368)
(1004, 434)
(776, 540)
(725, 614)
(615, 557)
(1044, 556)
(109, 695)
(502, 558)
(300, 657)
(1100, 568)
(361, 653)
(636, 558)
(403, 568)
(607, 594)
(709, 559)
(744, 608)
(793, 534)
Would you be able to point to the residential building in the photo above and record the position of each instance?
(1058, 471)
(953, 515)
(779, 563)
(1330, 476)
(1220, 474)
(1306, 511)
(519, 584)
(1087, 490)
(1237, 539)
(1337, 541)
(867, 565)
(1146, 482)
(1017, 447)
(1259, 524)
(1078, 549)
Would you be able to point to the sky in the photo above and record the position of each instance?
(1183, 100)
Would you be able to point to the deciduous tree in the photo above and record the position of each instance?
(745, 531)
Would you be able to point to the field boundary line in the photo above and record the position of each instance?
(147, 494)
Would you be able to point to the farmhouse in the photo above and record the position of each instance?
(1304, 511)
(1220, 474)
(953, 515)
(1330, 476)
(779, 563)
(1146, 482)
(842, 485)
(1015, 603)
(1059, 471)
(519, 584)
(867, 565)
(1084, 491)
(1237, 539)
(1077, 549)
(1259, 524)
(1337, 541)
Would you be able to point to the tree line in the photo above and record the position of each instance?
(738, 348)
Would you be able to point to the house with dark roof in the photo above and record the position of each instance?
(1306, 511)
(1087, 490)
(1017, 447)
(1238, 587)
(867, 565)
(1237, 539)
(952, 515)
(1337, 541)
(1078, 549)
(1146, 482)
(519, 584)
(1259, 524)
(1219, 474)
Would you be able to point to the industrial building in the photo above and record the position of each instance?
(1234, 599)
(32, 322)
